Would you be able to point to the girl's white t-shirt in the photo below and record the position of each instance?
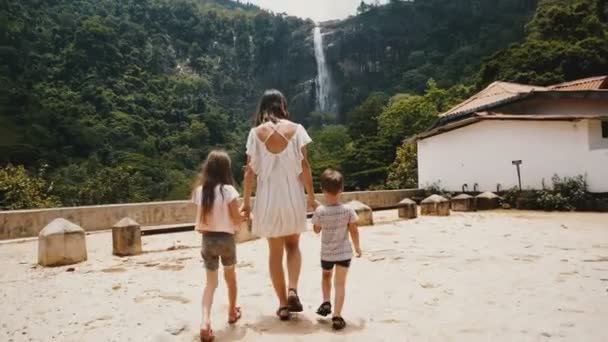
(220, 220)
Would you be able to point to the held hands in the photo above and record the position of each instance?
(246, 210)
(312, 202)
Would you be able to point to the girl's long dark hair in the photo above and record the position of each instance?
(272, 107)
(216, 170)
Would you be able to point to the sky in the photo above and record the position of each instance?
(317, 10)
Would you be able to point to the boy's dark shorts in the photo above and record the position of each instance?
(218, 245)
(329, 265)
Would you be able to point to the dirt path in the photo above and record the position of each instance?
(499, 276)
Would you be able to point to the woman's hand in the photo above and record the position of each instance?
(312, 202)
(246, 210)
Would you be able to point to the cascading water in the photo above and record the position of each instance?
(325, 101)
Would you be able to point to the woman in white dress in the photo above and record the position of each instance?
(277, 161)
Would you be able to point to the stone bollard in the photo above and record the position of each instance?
(408, 209)
(488, 201)
(60, 243)
(364, 212)
(464, 202)
(435, 205)
(126, 238)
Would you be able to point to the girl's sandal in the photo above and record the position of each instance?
(283, 313)
(324, 309)
(235, 315)
(293, 301)
(338, 323)
(207, 335)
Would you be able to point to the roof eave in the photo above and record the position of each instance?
(489, 116)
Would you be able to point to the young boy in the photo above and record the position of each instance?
(335, 221)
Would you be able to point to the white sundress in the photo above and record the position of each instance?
(279, 208)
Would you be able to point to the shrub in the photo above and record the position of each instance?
(20, 190)
(511, 196)
(568, 193)
(553, 201)
(436, 189)
(574, 191)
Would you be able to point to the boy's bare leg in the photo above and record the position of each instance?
(230, 277)
(326, 285)
(275, 264)
(210, 286)
(340, 289)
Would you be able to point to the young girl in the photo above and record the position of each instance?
(217, 219)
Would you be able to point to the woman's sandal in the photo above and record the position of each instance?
(324, 309)
(234, 316)
(283, 313)
(293, 301)
(338, 323)
(207, 335)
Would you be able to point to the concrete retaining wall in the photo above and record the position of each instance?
(28, 223)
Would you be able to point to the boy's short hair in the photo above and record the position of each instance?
(332, 181)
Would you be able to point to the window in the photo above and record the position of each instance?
(605, 129)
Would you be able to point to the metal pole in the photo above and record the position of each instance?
(517, 163)
(519, 177)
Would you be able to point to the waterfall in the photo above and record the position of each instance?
(324, 94)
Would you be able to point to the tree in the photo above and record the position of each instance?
(403, 173)
(362, 121)
(328, 149)
(363, 7)
(567, 40)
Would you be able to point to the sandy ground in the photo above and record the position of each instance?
(495, 276)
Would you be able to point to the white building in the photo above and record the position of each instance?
(561, 129)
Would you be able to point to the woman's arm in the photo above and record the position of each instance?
(248, 186)
(306, 178)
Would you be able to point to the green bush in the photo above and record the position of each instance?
(568, 194)
(436, 189)
(20, 190)
(574, 190)
(553, 201)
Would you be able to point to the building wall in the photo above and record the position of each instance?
(482, 153)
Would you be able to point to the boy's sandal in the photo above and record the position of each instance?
(283, 313)
(207, 335)
(338, 323)
(293, 301)
(234, 316)
(324, 309)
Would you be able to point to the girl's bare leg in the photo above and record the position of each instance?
(230, 277)
(208, 293)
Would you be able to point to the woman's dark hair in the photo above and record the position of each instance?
(272, 107)
(216, 170)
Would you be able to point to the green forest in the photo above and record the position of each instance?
(114, 101)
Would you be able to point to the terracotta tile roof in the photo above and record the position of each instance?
(591, 83)
(500, 93)
(495, 94)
